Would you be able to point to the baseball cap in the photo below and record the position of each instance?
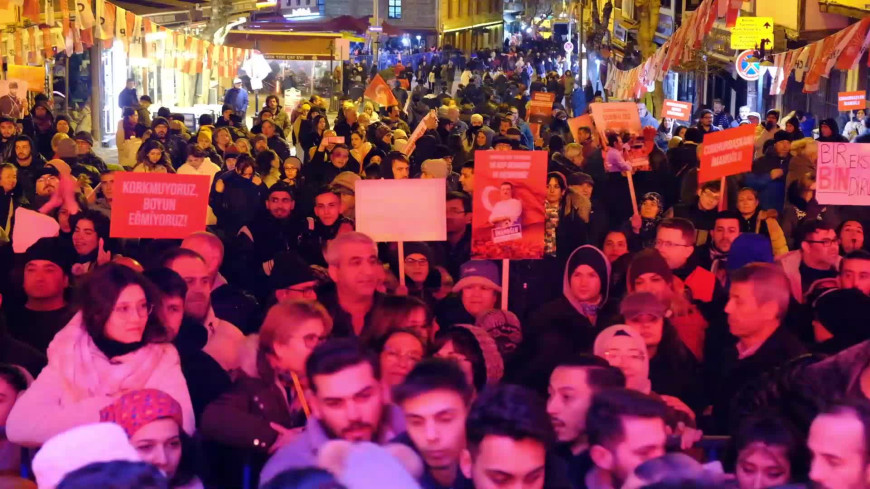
(478, 272)
(639, 303)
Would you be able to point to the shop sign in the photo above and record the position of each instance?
(298, 57)
(300, 12)
(749, 32)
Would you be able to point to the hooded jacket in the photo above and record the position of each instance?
(835, 136)
(80, 380)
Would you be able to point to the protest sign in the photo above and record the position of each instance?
(158, 205)
(616, 116)
(847, 101)
(727, 152)
(402, 210)
(673, 109)
(510, 188)
(541, 107)
(575, 123)
(843, 174)
(32, 76)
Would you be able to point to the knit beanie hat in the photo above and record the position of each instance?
(437, 168)
(419, 248)
(749, 248)
(80, 446)
(648, 261)
(85, 136)
(843, 313)
(50, 249)
(595, 259)
(346, 180)
(505, 329)
(491, 357)
(137, 408)
(289, 269)
(365, 465)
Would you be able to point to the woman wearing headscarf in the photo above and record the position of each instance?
(624, 348)
(482, 141)
(643, 225)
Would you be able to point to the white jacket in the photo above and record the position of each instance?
(80, 380)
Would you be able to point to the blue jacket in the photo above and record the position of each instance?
(238, 99)
(528, 138)
(302, 452)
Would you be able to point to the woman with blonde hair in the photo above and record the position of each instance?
(272, 373)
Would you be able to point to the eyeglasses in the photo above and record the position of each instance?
(311, 340)
(47, 178)
(634, 355)
(397, 356)
(413, 261)
(824, 242)
(141, 310)
(669, 244)
(303, 290)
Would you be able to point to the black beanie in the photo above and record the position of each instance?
(289, 269)
(50, 249)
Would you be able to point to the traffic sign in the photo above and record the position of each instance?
(749, 32)
(569, 47)
(746, 70)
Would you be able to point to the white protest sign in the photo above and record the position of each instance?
(843, 174)
(402, 210)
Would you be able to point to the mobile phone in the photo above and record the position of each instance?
(335, 140)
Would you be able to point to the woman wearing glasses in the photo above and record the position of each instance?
(113, 345)
(266, 406)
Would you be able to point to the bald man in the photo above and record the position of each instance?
(230, 303)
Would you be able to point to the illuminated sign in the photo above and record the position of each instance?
(300, 12)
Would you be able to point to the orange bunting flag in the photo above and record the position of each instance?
(380, 92)
(47, 45)
(18, 53)
(84, 14)
(31, 10)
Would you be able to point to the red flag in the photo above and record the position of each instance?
(31, 10)
(853, 45)
(380, 92)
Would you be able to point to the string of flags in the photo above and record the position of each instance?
(809, 63)
(141, 38)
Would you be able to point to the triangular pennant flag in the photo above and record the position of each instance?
(380, 92)
(84, 12)
(802, 62)
(120, 25)
(109, 15)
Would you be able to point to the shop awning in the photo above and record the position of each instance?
(286, 45)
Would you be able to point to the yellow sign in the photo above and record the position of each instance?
(749, 32)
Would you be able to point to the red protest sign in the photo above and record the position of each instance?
(541, 107)
(847, 101)
(158, 205)
(673, 109)
(616, 116)
(510, 188)
(727, 152)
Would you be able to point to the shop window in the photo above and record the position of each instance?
(395, 9)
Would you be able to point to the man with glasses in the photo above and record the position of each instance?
(292, 278)
(757, 304)
(817, 259)
(701, 210)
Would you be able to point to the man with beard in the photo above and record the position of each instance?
(229, 303)
(8, 130)
(817, 259)
(625, 428)
(572, 385)
(714, 255)
(326, 224)
(174, 145)
(275, 229)
(28, 163)
(224, 339)
(435, 398)
(346, 403)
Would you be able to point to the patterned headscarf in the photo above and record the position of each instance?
(137, 408)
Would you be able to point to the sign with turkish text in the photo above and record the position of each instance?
(510, 188)
(843, 174)
(616, 116)
(402, 210)
(158, 205)
(749, 32)
(847, 101)
(727, 152)
(541, 107)
(674, 109)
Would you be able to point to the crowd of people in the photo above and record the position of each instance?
(279, 347)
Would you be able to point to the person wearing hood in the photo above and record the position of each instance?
(625, 348)
(115, 344)
(643, 225)
(673, 369)
(567, 325)
(475, 351)
(482, 141)
(768, 172)
(272, 375)
(174, 145)
(40, 126)
(839, 320)
(829, 132)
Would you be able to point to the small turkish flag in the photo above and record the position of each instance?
(380, 92)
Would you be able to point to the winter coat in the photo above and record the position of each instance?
(791, 263)
(80, 380)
